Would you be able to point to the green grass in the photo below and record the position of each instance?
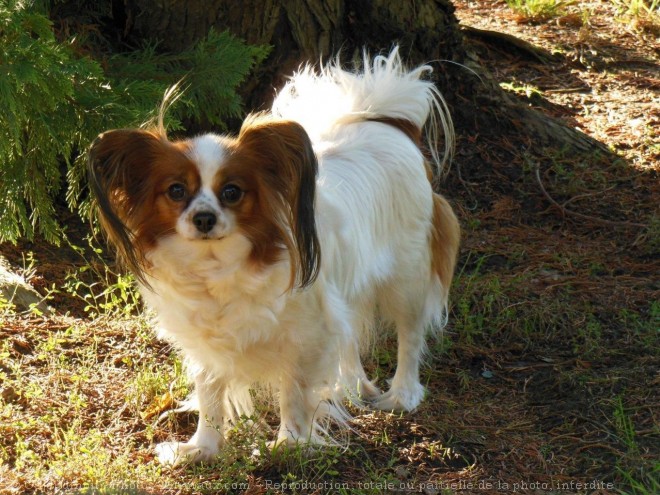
(105, 291)
(538, 10)
(642, 15)
(642, 478)
(80, 396)
(637, 8)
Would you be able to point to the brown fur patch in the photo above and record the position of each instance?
(429, 171)
(413, 132)
(274, 164)
(445, 240)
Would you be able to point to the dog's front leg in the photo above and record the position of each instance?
(205, 444)
(296, 412)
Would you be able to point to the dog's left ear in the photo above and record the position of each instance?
(288, 167)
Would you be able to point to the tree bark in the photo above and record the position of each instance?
(311, 30)
(303, 30)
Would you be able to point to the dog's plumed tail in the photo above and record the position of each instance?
(382, 89)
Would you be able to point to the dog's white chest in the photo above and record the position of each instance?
(217, 311)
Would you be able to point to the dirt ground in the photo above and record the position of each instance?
(546, 379)
(577, 238)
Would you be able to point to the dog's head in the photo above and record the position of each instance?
(259, 185)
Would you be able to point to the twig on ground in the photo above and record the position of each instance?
(567, 212)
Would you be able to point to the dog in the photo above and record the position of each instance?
(271, 258)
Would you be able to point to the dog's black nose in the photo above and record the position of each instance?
(204, 221)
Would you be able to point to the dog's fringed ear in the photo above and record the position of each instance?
(118, 166)
(289, 168)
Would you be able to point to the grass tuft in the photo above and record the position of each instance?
(537, 11)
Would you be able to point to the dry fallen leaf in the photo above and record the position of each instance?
(157, 406)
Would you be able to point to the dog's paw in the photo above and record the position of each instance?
(400, 399)
(178, 453)
(367, 391)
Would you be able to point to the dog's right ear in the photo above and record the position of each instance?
(119, 165)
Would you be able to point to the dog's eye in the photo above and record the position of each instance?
(177, 192)
(231, 194)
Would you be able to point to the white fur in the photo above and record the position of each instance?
(208, 152)
(238, 325)
(382, 88)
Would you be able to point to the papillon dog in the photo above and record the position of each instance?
(272, 258)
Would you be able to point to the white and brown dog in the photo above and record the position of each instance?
(268, 257)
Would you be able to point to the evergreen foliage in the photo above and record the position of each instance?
(54, 101)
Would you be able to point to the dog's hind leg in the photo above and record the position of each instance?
(417, 303)
(406, 391)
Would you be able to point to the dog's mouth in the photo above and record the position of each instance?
(207, 238)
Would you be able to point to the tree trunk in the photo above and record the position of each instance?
(310, 30)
